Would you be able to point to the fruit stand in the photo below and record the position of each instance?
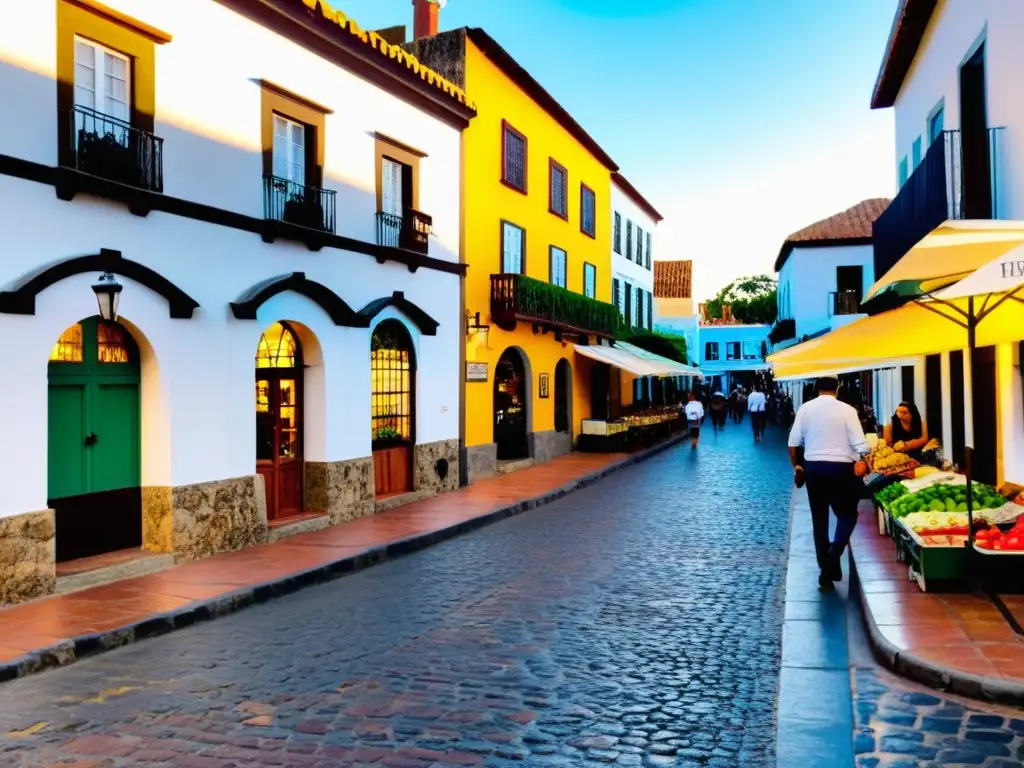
(924, 511)
(630, 432)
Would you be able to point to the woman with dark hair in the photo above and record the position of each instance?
(907, 432)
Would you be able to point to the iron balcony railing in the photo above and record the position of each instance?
(783, 330)
(959, 178)
(519, 298)
(113, 149)
(294, 203)
(844, 302)
(410, 231)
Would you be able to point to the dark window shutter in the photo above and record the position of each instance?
(615, 292)
(650, 309)
(629, 305)
(648, 250)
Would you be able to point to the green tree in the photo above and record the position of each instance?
(752, 300)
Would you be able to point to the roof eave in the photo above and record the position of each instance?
(905, 36)
(517, 73)
(634, 194)
(790, 245)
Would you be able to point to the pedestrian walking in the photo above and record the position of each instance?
(756, 405)
(694, 417)
(719, 411)
(832, 442)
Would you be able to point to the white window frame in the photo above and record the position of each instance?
(560, 275)
(100, 89)
(288, 162)
(391, 189)
(518, 259)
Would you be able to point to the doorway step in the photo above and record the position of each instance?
(296, 524)
(73, 575)
(390, 501)
(513, 465)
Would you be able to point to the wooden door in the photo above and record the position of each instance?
(279, 441)
(94, 441)
(392, 470)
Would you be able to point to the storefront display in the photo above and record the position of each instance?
(629, 432)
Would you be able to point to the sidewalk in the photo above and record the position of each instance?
(957, 642)
(59, 630)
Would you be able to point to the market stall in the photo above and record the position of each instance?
(923, 508)
(642, 426)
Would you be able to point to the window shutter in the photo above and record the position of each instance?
(629, 239)
(629, 305)
(648, 250)
(650, 308)
(615, 292)
(639, 246)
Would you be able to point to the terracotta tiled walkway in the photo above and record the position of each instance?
(959, 632)
(50, 621)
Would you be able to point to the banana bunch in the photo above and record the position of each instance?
(932, 445)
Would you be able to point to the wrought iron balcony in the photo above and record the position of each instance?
(517, 298)
(411, 231)
(294, 203)
(113, 149)
(783, 330)
(844, 302)
(958, 179)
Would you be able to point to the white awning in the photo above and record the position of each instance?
(638, 362)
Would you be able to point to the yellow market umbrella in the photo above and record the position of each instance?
(947, 254)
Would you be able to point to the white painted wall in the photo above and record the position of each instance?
(198, 375)
(952, 35)
(626, 270)
(808, 278)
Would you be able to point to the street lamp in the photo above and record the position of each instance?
(108, 292)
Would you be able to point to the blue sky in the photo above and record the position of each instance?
(740, 120)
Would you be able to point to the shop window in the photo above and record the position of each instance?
(68, 348)
(391, 370)
(277, 348)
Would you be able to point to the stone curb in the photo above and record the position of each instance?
(83, 646)
(928, 673)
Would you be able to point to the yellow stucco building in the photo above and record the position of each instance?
(536, 239)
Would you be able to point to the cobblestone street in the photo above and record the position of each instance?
(637, 622)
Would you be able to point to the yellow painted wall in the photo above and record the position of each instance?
(674, 307)
(488, 201)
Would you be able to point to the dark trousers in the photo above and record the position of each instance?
(757, 419)
(832, 485)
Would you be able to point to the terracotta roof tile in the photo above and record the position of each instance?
(853, 224)
(673, 279)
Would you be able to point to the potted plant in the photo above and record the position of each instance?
(304, 209)
(107, 156)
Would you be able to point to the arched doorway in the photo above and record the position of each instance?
(563, 396)
(510, 406)
(279, 412)
(393, 407)
(94, 440)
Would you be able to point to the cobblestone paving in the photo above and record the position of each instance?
(903, 725)
(633, 623)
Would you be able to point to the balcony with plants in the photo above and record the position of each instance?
(783, 330)
(959, 178)
(518, 298)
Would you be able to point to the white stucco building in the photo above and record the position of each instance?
(951, 73)
(633, 223)
(824, 270)
(269, 230)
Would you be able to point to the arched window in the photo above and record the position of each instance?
(68, 348)
(112, 344)
(392, 365)
(277, 348)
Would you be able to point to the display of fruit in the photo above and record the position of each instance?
(936, 523)
(946, 498)
(885, 460)
(925, 471)
(890, 493)
(932, 445)
(995, 539)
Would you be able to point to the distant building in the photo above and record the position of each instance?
(824, 270)
(633, 223)
(731, 353)
(673, 303)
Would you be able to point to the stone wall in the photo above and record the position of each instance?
(218, 516)
(157, 519)
(436, 467)
(342, 489)
(28, 548)
(481, 461)
(545, 446)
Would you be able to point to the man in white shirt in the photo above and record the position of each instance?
(832, 442)
(694, 416)
(755, 404)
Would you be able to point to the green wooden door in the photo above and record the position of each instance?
(94, 423)
(66, 454)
